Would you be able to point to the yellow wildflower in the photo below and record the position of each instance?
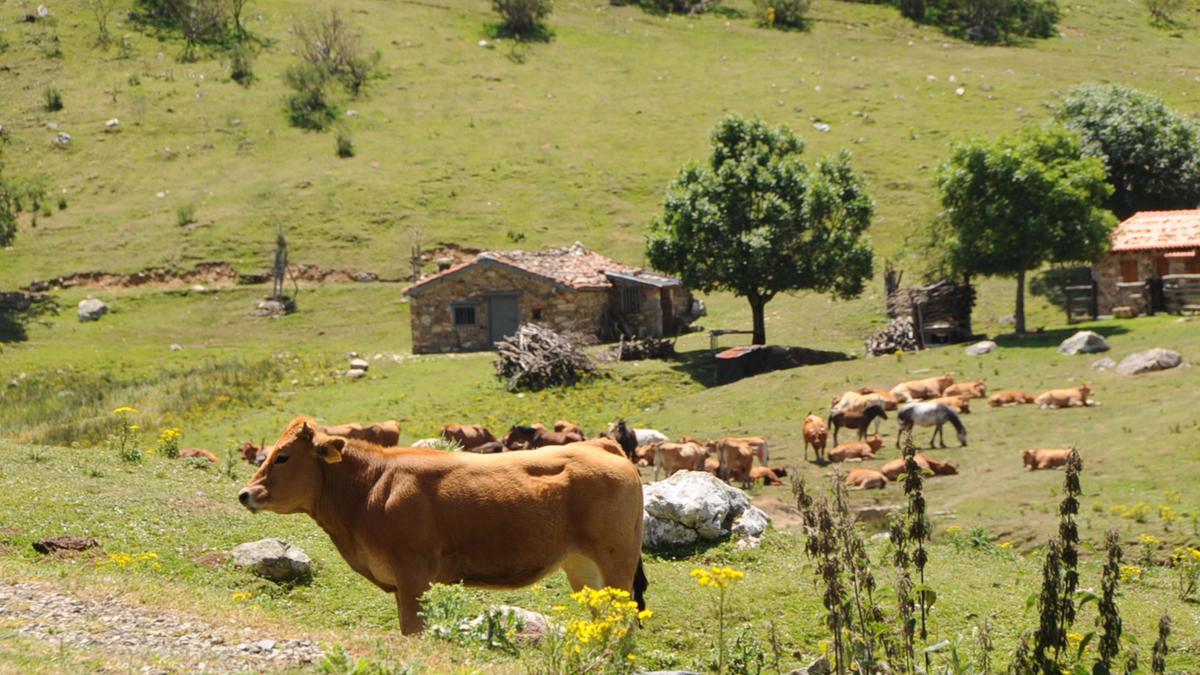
(124, 410)
(954, 530)
(1130, 573)
(1004, 545)
(716, 577)
(1149, 539)
(241, 597)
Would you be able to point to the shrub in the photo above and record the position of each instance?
(1164, 12)
(345, 147)
(985, 20)
(329, 45)
(185, 214)
(241, 65)
(522, 17)
(53, 98)
(782, 13)
(309, 106)
(603, 641)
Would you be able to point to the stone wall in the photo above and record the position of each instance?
(538, 301)
(1108, 274)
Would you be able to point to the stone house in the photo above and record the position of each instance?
(468, 307)
(1150, 249)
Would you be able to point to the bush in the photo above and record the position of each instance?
(328, 44)
(241, 65)
(1164, 12)
(185, 214)
(345, 147)
(309, 106)
(522, 17)
(54, 100)
(677, 6)
(985, 20)
(782, 13)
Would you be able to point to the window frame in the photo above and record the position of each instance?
(1126, 264)
(454, 309)
(628, 293)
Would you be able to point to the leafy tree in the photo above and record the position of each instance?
(1152, 152)
(1014, 204)
(16, 196)
(757, 221)
(523, 18)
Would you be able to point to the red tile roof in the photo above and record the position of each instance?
(572, 266)
(1151, 230)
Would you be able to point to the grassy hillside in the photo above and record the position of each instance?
(572, 139)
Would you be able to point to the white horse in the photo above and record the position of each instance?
(648, 436)
(930, 414)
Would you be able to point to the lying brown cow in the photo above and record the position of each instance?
(1066, 398)
(768, 475)
(384, 434)
(563, 426)
(967, 390)
(405, 518)
(527, 437)
(1044, 458)
(889, 400)
(672, 458)
(866, 479)
(197, 452)
(958, 404)
(858, 450)
(816, 434)
(254, 454)
(928, 465)
(469, 436)
(1010, 397)
(920, 390)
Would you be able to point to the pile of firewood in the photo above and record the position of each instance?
(898, 336)
(537, 357)
(640, 349)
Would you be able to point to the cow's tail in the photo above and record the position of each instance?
(640, 584)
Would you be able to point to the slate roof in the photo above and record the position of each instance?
(573, 267)
(1158, 230)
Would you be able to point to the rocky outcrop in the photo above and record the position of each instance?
(695, 506)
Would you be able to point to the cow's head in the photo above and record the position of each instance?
(1027, 459)
(289, 480)
(520, 437)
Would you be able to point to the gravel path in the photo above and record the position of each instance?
(144, 634)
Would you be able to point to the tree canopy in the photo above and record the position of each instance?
(757, 220)
(1151, 152)
(1014, 204)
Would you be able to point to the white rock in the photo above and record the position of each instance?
(960, 91)
(693, 505)
(42, 12)
(356, 374)
(176, 347)
(822, 127)
(531, 627)
(981, 348)
(63, 139)
(272, 558)
(1083, 342)
(1149, 361)
(92, 309)
(1104, 364)
(360, 364)
(112, 124)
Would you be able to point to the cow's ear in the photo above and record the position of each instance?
(305, 433)
(331, 449)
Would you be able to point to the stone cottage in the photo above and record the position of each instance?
(470, 306)
(1150, 249)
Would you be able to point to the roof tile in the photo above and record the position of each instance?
(1151, 230)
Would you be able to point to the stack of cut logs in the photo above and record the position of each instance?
(638, 349)
(537, 357)
(898, 336)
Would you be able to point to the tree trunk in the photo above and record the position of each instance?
(1020, 313)
(757, 307)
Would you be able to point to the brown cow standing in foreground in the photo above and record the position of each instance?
(1010, 397)
(1066, 398)
(816, 434)
(405, 518)
(469, 436)
(1044, 458)
(384, 434)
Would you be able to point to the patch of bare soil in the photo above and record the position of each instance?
(784, 514)
(160, 641)
(208, 274)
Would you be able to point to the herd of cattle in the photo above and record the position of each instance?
(932, 402)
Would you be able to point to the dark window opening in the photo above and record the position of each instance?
(1129, 271)
(631, 299)
(464, 316)
(537, 313)
(1191, 266)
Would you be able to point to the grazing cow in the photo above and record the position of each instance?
(1066, 398)
(958, 404)
(896, 467)
(859, 450)
(522, 437)
(1010, 397)
(197, 452)
(405, 518)
(736, 456)
(928, 414)
(254, 454)
(384, 434)
(671, 458)
(648, 436)
(606, 444)
(469, 436)
(816, 434)
(919, 390)
(967, 390)
(866, 479)
(889, 401)
(858, 420)
(623, 435)
(1043, 458)
(563, 426)
(769, 475)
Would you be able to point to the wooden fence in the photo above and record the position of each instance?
(1181, 292)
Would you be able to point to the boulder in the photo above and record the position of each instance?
(356, 373)
(273, 559)
(1083, 342)
(62, 140)
(819, 667)
(981, 348)
(92, 309)
(1149, 361)
(1104, 364)
(360, 364)
(531, 627)
(112, 124)
(693, 506)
